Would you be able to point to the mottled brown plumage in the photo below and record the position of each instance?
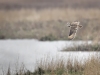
(73, 29)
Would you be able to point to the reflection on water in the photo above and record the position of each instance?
(29, 51)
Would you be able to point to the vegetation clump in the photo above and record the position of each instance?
(91, 66)
(84, 47)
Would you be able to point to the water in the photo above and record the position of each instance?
(27, 51)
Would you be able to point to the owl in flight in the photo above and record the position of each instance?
(73, 29)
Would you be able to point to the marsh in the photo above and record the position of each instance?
(29, 51)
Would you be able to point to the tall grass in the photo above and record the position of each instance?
(40, 24)
(59, 66)
(71, 66)
(84, 47)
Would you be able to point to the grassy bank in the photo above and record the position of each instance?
(58, 66)
(84, 47)
(48, 24)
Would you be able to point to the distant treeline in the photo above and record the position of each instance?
(39, 4)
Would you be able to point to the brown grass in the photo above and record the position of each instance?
(58, 66)
(71, 66)
(84, 47)
(64, 14)
(32, 23)
(92, 66)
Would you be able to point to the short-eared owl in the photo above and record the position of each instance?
(73, 29)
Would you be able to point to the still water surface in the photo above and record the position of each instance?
(30, 51)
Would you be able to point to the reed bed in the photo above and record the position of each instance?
(91, 66)
(84, 47)
(49, 24)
